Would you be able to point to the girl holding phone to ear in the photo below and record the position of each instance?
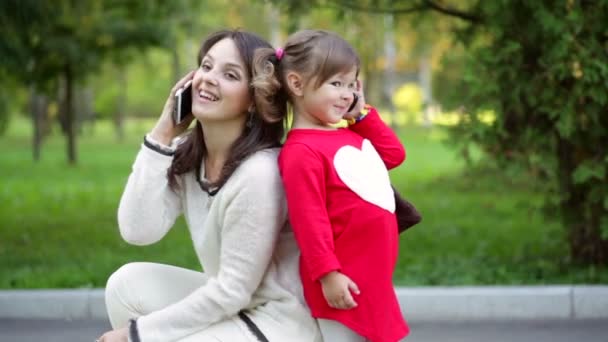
(341, 204)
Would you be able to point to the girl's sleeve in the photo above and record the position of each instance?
(382, 137)
(148, 207)
(303, 177)
(252, 212)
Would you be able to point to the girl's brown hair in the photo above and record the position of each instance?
(262, 130)
(315, 54)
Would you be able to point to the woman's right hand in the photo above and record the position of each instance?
(165, 129)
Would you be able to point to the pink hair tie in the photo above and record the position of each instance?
(279, 53)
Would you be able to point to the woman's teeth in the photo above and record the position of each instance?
(208, 96)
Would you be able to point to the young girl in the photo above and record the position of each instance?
(340, 201)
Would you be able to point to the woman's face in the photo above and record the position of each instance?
(220, 90)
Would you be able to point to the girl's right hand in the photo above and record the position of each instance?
(165, 129)
(356, 111)
(337, 289)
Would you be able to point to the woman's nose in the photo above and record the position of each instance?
(210, 78)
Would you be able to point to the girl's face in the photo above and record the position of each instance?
(220, 90)
(327, 104)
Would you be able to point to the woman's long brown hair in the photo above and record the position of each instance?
(261, 132)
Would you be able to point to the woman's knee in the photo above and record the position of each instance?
(122, 277)
(120, 300)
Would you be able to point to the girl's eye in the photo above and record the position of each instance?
(336, 83)
(205, 67)
(352, 86)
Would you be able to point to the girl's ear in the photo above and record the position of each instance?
(295, 83)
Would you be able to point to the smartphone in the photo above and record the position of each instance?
(355, 100)
(183, 103)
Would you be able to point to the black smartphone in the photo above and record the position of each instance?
(355, 100)
(183, 103)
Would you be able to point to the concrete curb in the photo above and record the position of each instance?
(504, 303)
(418, 303)
(53, 304)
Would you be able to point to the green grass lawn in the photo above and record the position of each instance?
(58, 223)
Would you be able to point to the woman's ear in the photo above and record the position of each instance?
(295, 83)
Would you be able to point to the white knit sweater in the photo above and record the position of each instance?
(242, 240)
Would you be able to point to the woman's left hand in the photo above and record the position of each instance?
(118, 335)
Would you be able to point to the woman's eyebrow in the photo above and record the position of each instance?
(234, 65)
(228, 64)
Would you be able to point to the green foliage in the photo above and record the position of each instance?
(542, 66)
(146, 91)
(67, 40)
(44, 38)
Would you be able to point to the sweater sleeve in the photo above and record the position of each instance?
(382, 137)
(148, 207)
(304, 181)
(252, 211)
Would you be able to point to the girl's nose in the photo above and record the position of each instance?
(347, 95)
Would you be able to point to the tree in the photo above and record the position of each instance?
(43, 41)
(542, 67)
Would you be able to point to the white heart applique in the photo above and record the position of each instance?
(364, 172)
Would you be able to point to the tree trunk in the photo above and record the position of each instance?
(580, 216)
(62, 104)
(38, 109)
(69, 115)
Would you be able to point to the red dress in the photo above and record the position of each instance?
(342, 210)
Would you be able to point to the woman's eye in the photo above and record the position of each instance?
(232, 76)
(336, 83)
(205, 67)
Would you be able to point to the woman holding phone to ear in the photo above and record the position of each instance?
(223, 177)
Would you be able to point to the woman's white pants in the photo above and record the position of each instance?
(137, 289)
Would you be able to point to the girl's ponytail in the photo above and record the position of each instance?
(269, 94)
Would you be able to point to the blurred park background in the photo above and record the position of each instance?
(502, 107)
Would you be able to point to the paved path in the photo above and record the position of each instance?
(12, 330)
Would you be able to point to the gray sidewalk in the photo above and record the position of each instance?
(12, 330)
(496, 303)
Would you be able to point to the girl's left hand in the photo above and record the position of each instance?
(356, 111)
(118, 335)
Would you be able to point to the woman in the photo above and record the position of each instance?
(223, 177)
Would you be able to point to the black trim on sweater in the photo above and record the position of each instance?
(157, 148)
(252, 327)
(133, 332)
